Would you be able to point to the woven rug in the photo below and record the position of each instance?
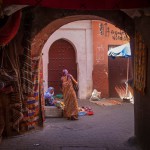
(108, 102)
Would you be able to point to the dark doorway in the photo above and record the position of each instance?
(117, 73)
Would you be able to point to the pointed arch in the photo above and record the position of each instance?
(61, 56)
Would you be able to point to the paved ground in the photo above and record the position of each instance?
(108, 129)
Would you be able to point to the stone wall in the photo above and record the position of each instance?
(142, 102)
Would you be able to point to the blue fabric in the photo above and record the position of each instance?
(82, 113)
(120, 51)
(48, 94)
(49, 97)
(49, 89)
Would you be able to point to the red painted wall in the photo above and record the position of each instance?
(104, 34)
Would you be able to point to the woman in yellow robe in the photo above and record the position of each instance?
(69, 95)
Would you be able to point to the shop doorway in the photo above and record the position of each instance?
(117, 68)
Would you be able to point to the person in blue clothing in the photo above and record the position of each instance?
(49, 97)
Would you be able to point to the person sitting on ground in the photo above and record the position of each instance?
(49, 97)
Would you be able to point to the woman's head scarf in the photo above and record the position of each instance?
(48, 94)
(65, 73)
(49, 89)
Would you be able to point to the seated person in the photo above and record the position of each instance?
(49, 97)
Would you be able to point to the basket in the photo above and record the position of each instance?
(53, 112)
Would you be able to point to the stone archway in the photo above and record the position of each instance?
(57, 18)
(54, 19)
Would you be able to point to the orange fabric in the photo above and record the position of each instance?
(70, 99)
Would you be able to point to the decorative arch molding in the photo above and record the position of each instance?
(54, 19)
(81, 56)
(71, 43)
(51, 40)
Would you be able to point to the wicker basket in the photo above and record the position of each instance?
(53, 111)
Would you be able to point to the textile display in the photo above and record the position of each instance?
(26, 66)
(22, 79)
(34, 114)
(30, 114)
(16, 110)
(140, 64)
(6, 116)
(11, 76)
(32, 81)
(6, 72)
(85, 111)
(34, 100)
(41, 91)
(16, 95)
(9, 30)
(28, 120)
(24, 108)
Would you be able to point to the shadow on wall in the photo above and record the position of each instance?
(100, 79)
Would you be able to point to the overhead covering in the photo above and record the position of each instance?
(125, 52)
(12, 9)
(120, 51)
(9, 30)
(83, 4)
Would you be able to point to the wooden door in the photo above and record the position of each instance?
(118, 73)
(61, 56)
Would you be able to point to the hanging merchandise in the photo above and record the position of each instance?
(10, 28)
(140, 64)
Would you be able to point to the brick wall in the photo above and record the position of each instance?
(105, 34)
(100, 79)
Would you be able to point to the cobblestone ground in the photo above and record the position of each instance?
(108, 129)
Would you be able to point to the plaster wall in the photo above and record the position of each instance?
(79, 34)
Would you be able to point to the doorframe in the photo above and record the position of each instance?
(74, 48)
(45, 50)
